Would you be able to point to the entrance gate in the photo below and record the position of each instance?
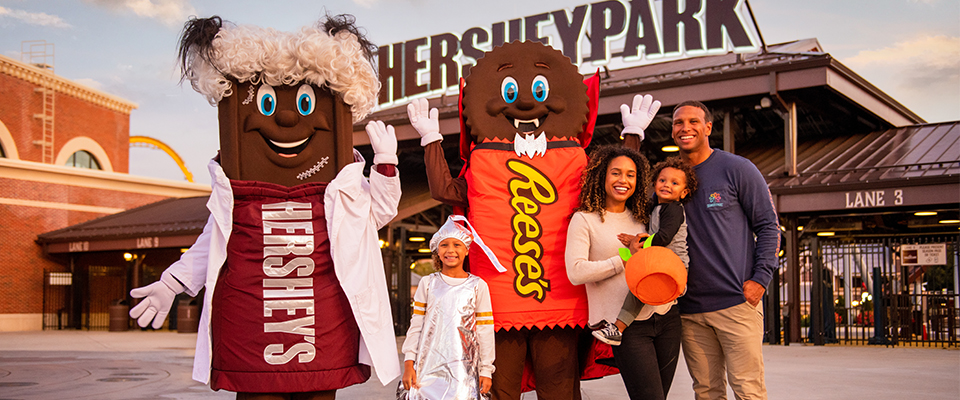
(82, 300)
(857, 291)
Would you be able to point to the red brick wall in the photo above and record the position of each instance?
(17, 105)
(73, 118)
(21, 259)
(109, 128)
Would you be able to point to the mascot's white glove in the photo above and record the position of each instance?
(383, 140)
(638, 118)
(425, 120)
(157, 300)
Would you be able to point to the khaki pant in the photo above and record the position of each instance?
(725, 344)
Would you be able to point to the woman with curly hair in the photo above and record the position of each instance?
(614, 201)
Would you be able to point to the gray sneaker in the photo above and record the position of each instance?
(608, 333)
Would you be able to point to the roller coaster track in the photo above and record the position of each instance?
(149, 142)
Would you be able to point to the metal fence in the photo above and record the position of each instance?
(858, 291)
(57, 290)
(106, 287)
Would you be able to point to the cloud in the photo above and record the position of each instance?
(926, 62)
(168, 12)
(90, 83)
(923, 73)
(365, 3)
(935, 51)
(34, 18)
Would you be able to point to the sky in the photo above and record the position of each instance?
(910, 49)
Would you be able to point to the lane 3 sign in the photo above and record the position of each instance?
(617, 34)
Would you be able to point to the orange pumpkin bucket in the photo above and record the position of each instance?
(655, 275)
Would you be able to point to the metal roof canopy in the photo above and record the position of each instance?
(167, 223)
(899, 167)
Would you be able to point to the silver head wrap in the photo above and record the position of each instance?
(451, 229)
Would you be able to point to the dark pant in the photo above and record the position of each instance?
(553, 355)
(647, 355)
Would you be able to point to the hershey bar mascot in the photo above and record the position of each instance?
(526, 115)
(296, 301)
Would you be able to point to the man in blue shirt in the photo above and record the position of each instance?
(733, 239)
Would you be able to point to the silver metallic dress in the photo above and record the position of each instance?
(448, 355)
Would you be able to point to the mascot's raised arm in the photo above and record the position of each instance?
(526, 116)
(296, 299)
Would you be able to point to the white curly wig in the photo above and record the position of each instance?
(337, 60)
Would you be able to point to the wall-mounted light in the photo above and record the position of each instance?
(423, 250)
(800, 228)
(950, 221)
(825, 233)
(670, 149)
(925, 213)
(766, 102)
(417, 239)
(128, 256)
(383, 243)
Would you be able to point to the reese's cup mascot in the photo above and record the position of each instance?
(296, 299)
(526, 115)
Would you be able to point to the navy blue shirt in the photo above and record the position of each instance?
(733, 233)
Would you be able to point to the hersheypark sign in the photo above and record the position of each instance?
(611, 34)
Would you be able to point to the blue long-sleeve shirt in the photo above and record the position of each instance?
(733, 233)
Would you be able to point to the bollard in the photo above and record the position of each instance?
(188, 316)
(119, 317)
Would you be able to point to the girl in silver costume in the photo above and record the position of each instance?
(449, 348)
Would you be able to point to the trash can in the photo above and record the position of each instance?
(119, 316)
(188, 316)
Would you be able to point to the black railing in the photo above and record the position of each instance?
(856, 291)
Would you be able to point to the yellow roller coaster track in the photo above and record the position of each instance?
(144, 141)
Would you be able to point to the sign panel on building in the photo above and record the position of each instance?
(923, 254)
(608, 34)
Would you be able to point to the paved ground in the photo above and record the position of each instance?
(156, 365)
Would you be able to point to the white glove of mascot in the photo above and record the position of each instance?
(638, 117)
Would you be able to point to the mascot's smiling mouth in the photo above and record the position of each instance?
(287, 149)
(526, 125)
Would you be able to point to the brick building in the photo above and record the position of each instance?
(64, 154)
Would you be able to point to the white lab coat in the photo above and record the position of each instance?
(355, 208)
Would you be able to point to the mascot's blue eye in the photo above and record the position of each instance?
(306, 100)
(541, 88)
(266, 100)
(508, 89)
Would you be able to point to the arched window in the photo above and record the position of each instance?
(2, 154)
(83, 159)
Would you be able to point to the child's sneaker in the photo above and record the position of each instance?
(608, 333)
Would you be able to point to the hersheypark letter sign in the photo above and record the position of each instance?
(615, 34)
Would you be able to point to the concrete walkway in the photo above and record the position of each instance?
(157, 365)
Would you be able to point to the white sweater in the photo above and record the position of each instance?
(593, 260)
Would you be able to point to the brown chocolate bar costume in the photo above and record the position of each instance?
(280, 322)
